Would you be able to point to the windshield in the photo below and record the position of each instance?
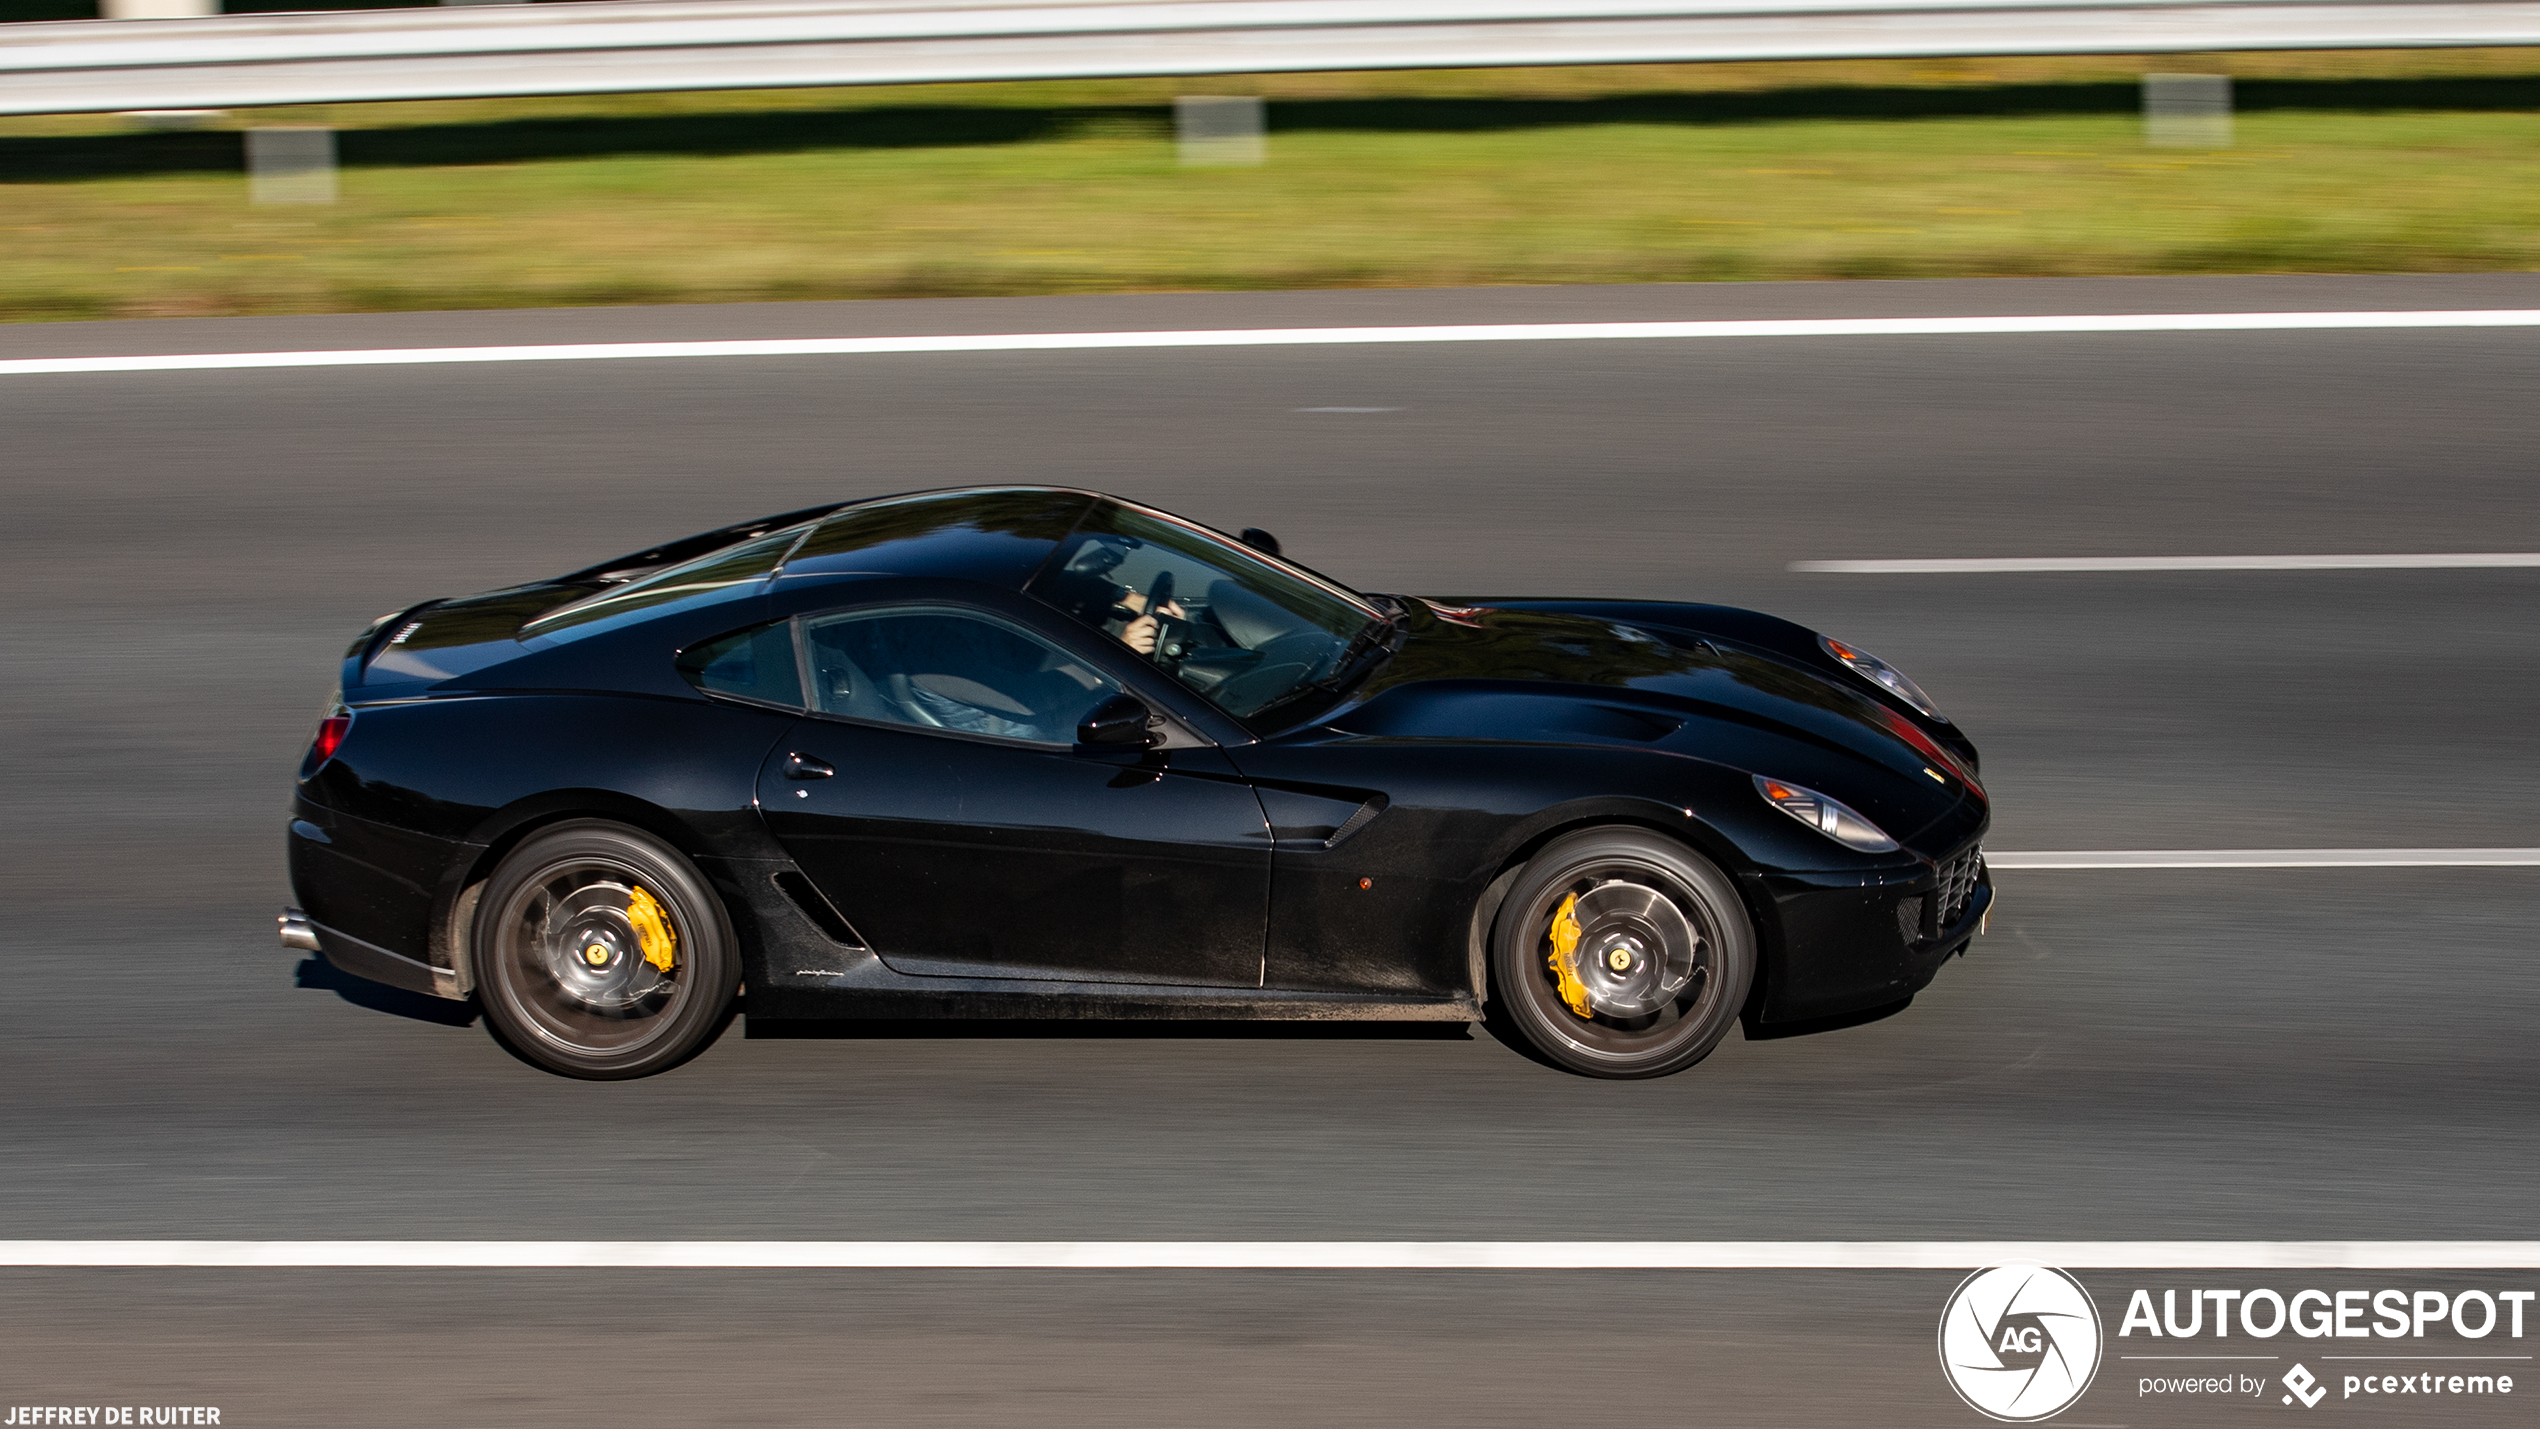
(1243, 630)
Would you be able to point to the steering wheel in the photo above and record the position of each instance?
(1171, 635)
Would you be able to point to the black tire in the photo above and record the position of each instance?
(565, 964)
(1658, 911)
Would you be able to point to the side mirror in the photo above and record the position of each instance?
(1259, 540)
(1116, 722)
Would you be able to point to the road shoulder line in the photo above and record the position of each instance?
(1294, 337)
(1267, 1255)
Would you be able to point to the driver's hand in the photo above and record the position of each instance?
(1136, 600)
(1139, 634)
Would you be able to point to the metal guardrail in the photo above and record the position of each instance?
(647, 45)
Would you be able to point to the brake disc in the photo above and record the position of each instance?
(597, 948)
(1629, 950)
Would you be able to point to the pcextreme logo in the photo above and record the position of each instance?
(2019, 1342)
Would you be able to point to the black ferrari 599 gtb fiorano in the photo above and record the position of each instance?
(1030, 752)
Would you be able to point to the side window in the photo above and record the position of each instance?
(755, 664)
(939, 668)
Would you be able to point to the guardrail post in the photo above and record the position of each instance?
(291, 165)
(2187, 111)
(1219, 129)
(158, 9)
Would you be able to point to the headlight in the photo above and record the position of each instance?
(1824, 815)
(1884, 675)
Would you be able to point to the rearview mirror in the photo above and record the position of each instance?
(1259, 540)
(1120, 720)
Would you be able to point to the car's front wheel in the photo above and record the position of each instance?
(1619, 953)
(601, 953)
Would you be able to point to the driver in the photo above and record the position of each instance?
(1140, 633)
(1084, 589)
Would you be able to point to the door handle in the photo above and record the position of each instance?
(805, 766)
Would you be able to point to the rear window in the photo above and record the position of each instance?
(455, 637)
(693, 583)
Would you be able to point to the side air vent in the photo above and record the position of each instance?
(1366, 815)
(1455, 708)
(803, 894)
(1311, 823)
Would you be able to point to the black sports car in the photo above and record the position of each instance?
(1030, 752)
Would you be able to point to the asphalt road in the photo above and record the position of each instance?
(2273, 1055)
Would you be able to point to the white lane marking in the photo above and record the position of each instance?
(2013, 565)
(1349, 409)
(1293, 337)
(2272, 858)
(1274, 1255)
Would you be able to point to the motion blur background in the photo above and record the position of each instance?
(2364, 161)
(2129, 1055)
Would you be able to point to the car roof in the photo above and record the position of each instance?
(998, 535)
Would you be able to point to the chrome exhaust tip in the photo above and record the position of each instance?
(297, 931)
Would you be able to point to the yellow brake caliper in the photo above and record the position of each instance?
(652, 929)
(1565, 956)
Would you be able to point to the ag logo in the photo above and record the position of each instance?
(2019, 1342)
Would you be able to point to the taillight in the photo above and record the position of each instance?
(330, 737)
(335, 720)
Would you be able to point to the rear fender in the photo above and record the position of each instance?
(454, 913)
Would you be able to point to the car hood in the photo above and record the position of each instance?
(1541, 676)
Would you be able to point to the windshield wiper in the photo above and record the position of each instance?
(1369, 641)
(1356, 657)
(1359, 645)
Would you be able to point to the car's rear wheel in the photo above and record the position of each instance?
(1619, 953)
(600, 952)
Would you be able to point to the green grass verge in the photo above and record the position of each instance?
(2343, 163)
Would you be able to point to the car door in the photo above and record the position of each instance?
(937, 797)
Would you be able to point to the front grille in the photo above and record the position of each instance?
(1958, 875)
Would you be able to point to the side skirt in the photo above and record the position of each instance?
(986, 998)
(799, 969)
